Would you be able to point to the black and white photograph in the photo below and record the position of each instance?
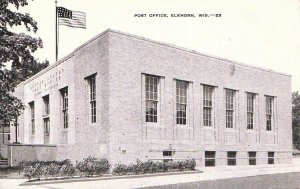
(173, 94)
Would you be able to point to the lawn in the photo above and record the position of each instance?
(10, 173)
(287, 180)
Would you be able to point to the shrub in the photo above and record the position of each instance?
(51, 169)
(121, 169)
(191, 164)
(38, 169)
(67, 169)
(28, 172)
(153, 167)
(92, 166)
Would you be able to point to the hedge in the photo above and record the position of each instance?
(51, 168)
(154, 167)
(93, 166)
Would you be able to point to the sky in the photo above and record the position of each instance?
(258, 32)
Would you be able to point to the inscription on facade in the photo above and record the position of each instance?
(46, 82)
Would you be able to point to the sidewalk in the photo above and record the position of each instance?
(209, 174)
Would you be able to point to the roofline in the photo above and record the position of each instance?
(198, 53)
(151, 41)
(63, 59)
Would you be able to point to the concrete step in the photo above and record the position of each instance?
(4, 166)
(4, 162)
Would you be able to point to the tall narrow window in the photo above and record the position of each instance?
(252, 158)
(46, 119)
(269, 112)
(46, 105)
(46, 130)
(31, 106)
(229, 108)
(250, 110)
(151, 84)
(92, 92)
(207, 105)
(64, 96)
(181, 102)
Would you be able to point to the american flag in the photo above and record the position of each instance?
(70, 18)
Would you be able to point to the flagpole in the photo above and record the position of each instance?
(56, 30)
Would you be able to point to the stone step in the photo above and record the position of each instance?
(4, 166)
(3, 162)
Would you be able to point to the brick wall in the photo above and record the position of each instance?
(130, 57)
(21, 152)
(120, 62)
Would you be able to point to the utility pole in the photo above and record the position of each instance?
(16, 130)
(56, 31)
(3, 133)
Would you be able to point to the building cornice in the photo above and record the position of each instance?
(182, 49)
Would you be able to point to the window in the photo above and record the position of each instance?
(181, 102)
(210, 158)
(46, 105)
(47, 126)
(229, 108)
(231, 158)
(207, 105)
(65, 105)
(168, 155)
(151, 84)
(250, 110)
(271, 157)
(31, 106)
(252, 158)
(92, 91)
(269, 112)
(46, 119)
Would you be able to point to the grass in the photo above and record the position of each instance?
(10, 172)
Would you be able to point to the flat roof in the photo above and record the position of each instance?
(154, 42)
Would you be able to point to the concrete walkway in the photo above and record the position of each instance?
(209, 174)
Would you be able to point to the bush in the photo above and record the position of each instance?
(67, 169)
(38, 169)
(51, 169)
(153, 167)
(121, 169)
(23, 164)
(92, 166)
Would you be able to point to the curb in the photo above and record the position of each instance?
(104, 177)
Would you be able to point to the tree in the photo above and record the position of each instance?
(16, 50)
(296, 119)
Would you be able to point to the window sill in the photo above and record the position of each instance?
(208, 128)
(251, 131)
(270, 132)
(210, 143)
(153, 125)
(153, 141)
(93, 124)
(184, 127)
(184, 141)
(230, 130)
